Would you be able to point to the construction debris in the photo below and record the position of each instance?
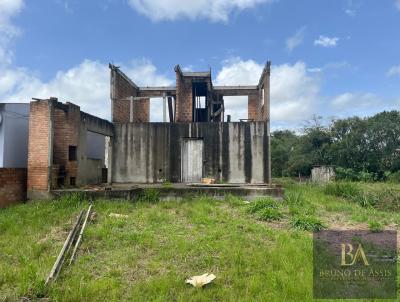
(78, 241)
(200, 281)
(115, 215)
(72, 239)
(208, 181)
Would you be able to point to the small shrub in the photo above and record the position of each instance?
(352, 175)
(375, 226)
(270, 214)
(73, 199)
(261, 204)
(294, 198)
(365, 199)
(345, 174)
(393, 177)
(149, 195)
(307, 223)
(167, 185)
(342, 189)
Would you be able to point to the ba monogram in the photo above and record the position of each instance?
(347, 254)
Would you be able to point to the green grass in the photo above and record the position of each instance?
(148, 255)
(307, 223)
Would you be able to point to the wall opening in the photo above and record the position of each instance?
(72, 153)
(236, 107)
(200, 102)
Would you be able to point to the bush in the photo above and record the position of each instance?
(294, 198)
(365, 199)
(352, 192)
(149, 195)
(342, 189)
(261, 204)
(352, 175)
(269, 214)
(393, 177)
(307, 223)
(375, 226)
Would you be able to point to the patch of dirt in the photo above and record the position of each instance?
(55, 234)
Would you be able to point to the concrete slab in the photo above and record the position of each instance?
(167, 191)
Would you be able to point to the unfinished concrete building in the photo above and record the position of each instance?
(70, 148)
(198, 140)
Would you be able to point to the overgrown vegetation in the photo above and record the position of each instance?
(380, 196)
(307, 223)
(260, 251)
(362, 149)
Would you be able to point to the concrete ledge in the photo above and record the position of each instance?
(173, 193)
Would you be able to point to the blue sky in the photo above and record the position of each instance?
(333, 58)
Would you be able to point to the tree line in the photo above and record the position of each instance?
(360, 148)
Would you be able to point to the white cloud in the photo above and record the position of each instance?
(358, 103)
(296, 40)
(350, 12)
(238, 72)
(86, 84)
(294, 92)
(397, 3)
(393, 71)
(326, 41)
(170, 10)
(8, 10)
(346, 99)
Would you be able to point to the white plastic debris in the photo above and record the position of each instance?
(115, 215)
(200, 281)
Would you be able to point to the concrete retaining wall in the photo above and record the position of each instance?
(151, 152)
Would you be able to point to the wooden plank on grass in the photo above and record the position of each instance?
(78, 241)
(64, 251)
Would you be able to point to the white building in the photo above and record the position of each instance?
(14, 128)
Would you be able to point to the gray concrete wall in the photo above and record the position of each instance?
(14, 131)
(95, 145)
(323, 174)
(2, 106)
(91, 148)
(151, 152)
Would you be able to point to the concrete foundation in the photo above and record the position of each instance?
(173, 192)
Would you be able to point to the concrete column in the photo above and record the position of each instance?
(267, 97)
(110, 160)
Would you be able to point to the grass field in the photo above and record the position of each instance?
(259, 251)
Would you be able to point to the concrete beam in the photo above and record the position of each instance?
(156, 92)
(236, 90)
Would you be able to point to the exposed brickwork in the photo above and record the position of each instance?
(122, 89)
(184, 110)
(66, 133)
(39, 152)
(12, 186)
(141, 111)
(253, 107)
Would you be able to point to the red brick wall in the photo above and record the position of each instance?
(183, 99)
(121, 90)
(253, 107)
(66, 133)
(12, 186)
(38, 147)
